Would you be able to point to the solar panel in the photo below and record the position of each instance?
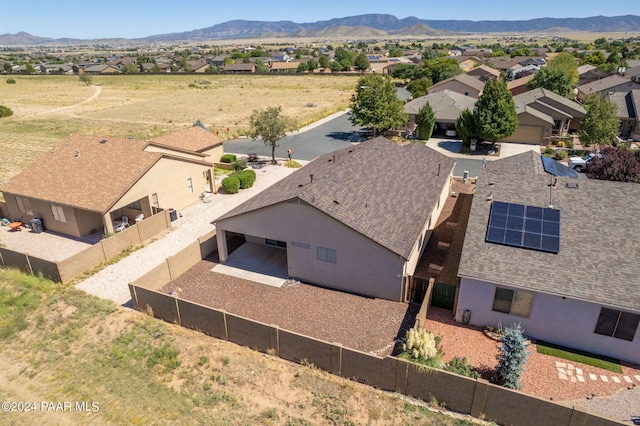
(520, 225)
(556, 168)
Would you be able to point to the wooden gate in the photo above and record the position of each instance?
(444, 296)
(416, 288)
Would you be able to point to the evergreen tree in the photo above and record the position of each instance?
(511, 358)
(426, 120)
(495, 112)
(466, 127)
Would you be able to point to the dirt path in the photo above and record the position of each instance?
(96, 93)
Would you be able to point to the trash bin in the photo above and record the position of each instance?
(36, 225)
(173, 215)
(466, 316)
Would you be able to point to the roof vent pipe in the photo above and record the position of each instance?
(77, 153)
(311, 176)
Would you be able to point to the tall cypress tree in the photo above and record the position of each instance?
(495, 112)
(426, 121)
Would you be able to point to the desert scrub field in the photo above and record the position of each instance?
(58, 344)
(49, 108)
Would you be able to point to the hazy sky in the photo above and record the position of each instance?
(141, 18)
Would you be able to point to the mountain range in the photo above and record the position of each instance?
(374, 25)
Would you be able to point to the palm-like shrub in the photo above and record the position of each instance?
(421, 346)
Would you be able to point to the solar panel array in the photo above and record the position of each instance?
(520, 225)
(556, 168)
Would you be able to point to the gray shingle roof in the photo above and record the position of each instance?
(599, 245)
(381, 190)
(446, 105)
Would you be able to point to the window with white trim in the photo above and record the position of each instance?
(513, 302)
(326, 255)
(154, 199)
(190, 185)
(58, 213)
(618, 324)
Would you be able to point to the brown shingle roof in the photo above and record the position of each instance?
(83, 172)
(194, 138)
(356, 187)
(598, 240)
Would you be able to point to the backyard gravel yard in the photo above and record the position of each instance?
(368, 325)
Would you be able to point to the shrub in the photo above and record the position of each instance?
(230, 185)
(511, 358)
(239, 165)
(561, 144)
(548, 151)
(246, 178)
(293, 164)
(5, 112)
(561, 155)
(421, 346)
(228, 158)
(570, 144)
(461, 366)
(11, 81)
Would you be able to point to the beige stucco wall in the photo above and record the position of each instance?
(169, 151)
(213, 154)
(362, 266)
(168, 178)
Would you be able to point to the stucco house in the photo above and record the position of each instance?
(446, 105)
(604, 86)
(461, 83)
(536, 254)
(628, 105)
(542, 114)
(484, 73)
(346, 222)
(588, 74)
(87, 184)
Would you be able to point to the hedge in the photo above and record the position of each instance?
(228, 158)
(246, 178)
(230, 185)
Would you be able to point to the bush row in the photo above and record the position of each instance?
(238, 180)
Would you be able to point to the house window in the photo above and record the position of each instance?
(190, 185)
(23, 205)
(58, 213)
(326, 255)
(618, 324)
(513, 302)
(301, 245)
(154, 200)
(275, 243)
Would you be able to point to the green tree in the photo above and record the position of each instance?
(566, 62)
(512, 357)
(601, 124)
(29, 69)
(5, 111)
(323, 61)
(312, 64)
(155, 69)
(130, 69)
(375, 103)
(261, 67)
(269, 125)
(395, 52)
(335, 66)
(405, 72)
(466, 127)
(85, 78)
(7, 67)
(361, 62)
(419, 87)
(346, 64)
(495, 112)
(303, 67)
(597, 59)
(227, 60)
(429, 53)
(553, 79)
(440, 69)
(342, 53)
(426, 120)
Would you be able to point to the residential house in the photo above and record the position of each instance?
(446, 105)
(195, 139)
(519, 85)
(604, 86)
(86, 184)
(468, 63)
(240, 68)
(632, 73)
(588, 74)
(461, 83)
(346, 223)
(542, 114)
(628, 105)
(284, 67)
(536, 254)
(101, 69)
(484, 73)
(199, 67)
(477, 52)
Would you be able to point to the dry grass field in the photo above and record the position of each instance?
(49, 108)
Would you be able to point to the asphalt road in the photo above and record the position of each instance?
(326, 137)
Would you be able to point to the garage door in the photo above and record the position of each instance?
(526, 134)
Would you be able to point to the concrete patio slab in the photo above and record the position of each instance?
(258, 263)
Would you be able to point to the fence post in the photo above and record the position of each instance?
(479, 397)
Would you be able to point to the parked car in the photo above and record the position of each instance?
(451, 133)
(579, 163)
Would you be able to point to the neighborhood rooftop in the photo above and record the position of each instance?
(354, 186)
(598, 241)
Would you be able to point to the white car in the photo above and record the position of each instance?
(451, 133)
(579, 163)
